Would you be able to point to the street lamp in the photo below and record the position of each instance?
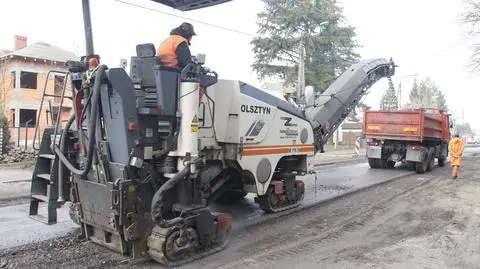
(400, 89)
(301, 64)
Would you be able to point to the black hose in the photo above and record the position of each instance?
(158, 209)
(91, 127)
(60, 165)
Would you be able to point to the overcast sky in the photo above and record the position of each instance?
(423, 37)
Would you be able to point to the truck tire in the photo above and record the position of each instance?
(421, 167)
(390, 164)
(441, 161)
(410, 166)
(430, 159)
(383, 164)
(373, 163)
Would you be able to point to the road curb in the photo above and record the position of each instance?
(14, 198)
(17, 165)
(338, 161)
(273, 217)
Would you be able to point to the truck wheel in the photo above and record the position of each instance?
(382, 163)
(410, 166)
(441, 161)
(421, 167)
(373, 163)
(390, 164)
(431, 160)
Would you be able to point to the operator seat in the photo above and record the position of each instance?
(141, 68)
(150, 74)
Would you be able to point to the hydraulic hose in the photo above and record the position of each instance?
(63, 140)
(158, 207)
(91, 127)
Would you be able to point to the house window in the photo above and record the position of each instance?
(28, 80)
(59, 80)
(28, 115)
(14, 79)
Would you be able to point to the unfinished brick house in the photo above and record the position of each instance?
(23, 74)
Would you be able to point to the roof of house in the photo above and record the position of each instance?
(352, 126)
(44, 51)
(2, 52)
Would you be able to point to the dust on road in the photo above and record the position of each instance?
(421, 221)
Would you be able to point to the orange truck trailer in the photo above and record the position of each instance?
(413, 137)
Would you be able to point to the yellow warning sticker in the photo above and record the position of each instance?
(195, 119)
(194, 128)
(410, 129)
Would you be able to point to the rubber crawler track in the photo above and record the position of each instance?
(158, 238)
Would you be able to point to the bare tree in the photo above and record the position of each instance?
(471, 17)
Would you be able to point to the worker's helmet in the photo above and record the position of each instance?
(188, 28)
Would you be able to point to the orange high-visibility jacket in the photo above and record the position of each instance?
(455, 147)
(167, 50)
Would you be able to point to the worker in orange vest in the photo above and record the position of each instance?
(174, 51)
(455, 147)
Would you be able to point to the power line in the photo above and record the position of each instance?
(197, 21)
(448, 48)
(190, 19)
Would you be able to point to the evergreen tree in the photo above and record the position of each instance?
(414, 95)
(389, 100)
(286, 24)
(427, 95)
(441, 101)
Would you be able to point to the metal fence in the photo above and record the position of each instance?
(13, 135)
(3, 140)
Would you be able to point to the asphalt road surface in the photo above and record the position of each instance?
(17, 229)
(414, 221)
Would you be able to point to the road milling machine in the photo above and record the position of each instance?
(145, 154)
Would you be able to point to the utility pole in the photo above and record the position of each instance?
(301, 64)
(301, 71)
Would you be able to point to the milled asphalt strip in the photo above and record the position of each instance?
(252, 222)
(255, 221)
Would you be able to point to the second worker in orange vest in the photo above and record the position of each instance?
(455, 147)
(174, 51)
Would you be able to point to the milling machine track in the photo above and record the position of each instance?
(162, 241)
(275, 199)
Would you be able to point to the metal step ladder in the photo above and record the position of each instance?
(49, 112)
(44, 187)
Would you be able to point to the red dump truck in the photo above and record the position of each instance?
(413, 137)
